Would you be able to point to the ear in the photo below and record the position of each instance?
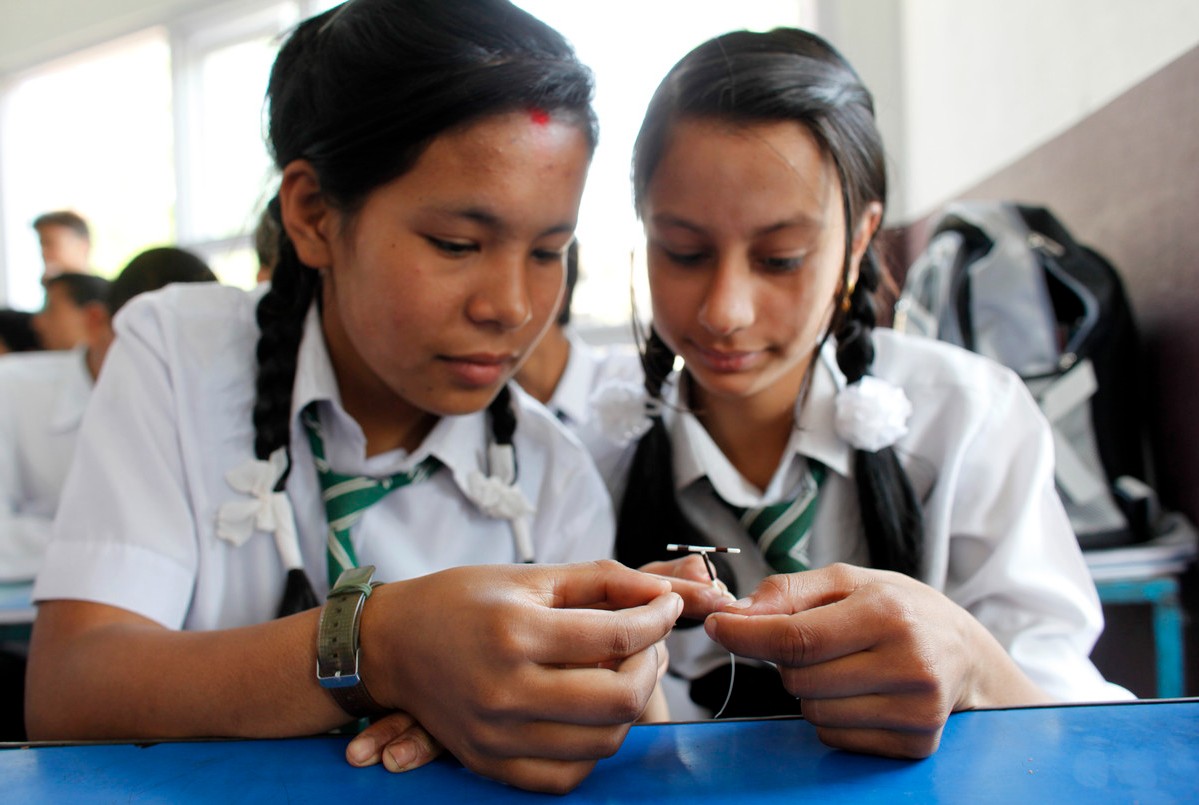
(869, 222)
(97, 321)
(307, 216)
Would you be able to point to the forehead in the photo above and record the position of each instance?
(745, 172)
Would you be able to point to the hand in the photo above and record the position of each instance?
(397, 740)
(878, 659)
(689, 578)
(526, 673)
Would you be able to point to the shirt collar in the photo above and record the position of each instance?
(696, 455)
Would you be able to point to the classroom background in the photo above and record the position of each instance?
(145, 116)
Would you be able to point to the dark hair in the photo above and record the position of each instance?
(572, 279)
(783, 75)
(359, 92)
(64, 218)
(16, 331)
(266, 241)
(81, 288)
(154, 269)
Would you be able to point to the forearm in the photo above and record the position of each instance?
(995, 679)
(131, 678)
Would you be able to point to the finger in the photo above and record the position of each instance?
(916, 714)
(548, 740)
(577, 695)
(604, 583)
(689, 568)
(590, 636)
(789, 593)
(396, 740)
(887, 743)
(366, 747)
(863, 673)
(807, 638)
(533, 774)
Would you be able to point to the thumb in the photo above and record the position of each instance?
(789, 593)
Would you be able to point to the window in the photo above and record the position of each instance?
(69, 141)
(158, 137)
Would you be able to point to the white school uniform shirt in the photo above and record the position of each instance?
(589, 368)
(42, 399)
(980, 456)
(171, 416)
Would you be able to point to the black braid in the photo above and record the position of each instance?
(891, 512)
(281, 314)
(650, 515)
(503, 421)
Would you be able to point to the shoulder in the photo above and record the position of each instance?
(34, 366)
(203, 313)
(924, 365)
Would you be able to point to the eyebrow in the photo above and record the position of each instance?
(489, 219)
(800, 221)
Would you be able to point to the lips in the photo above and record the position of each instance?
(725, 360)
(479, 369)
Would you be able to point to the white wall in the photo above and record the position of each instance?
(963, 87)
(33, 31)
(982, 82)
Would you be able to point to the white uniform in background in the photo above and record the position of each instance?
(587, 369)
(171, 416)
(42, 399)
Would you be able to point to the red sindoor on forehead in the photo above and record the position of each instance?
(539, 116)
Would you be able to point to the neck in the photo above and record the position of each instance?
(541, 373)
(753, 432)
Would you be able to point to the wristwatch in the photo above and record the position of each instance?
(337, 642)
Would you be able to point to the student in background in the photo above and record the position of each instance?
(66, 242)
(42, 400)
(17, 333)
(43, 397)
(915, 480)
(63, 320)
(564, 370)
(432, 160)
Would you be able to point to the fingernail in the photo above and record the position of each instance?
(398, 757)
(740, 603)
(362, 751)
(710, 626)
(678, 605)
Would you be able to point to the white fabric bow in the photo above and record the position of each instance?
(497, 496)
(623, 410)
(872, 414)
(266, 510)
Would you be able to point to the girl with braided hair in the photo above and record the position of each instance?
(903, 552)
(353, 422)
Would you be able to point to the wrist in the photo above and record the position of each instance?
(339, 656)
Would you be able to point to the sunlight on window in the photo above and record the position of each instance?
(630, 44)
(91, 133)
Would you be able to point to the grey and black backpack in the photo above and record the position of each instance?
(1009, 282)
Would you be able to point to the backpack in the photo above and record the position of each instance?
(1009, 282)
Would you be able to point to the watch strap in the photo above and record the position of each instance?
(337, 651)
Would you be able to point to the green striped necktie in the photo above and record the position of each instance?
(348, 496)
(783, 530)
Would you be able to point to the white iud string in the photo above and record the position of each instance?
(703, 551)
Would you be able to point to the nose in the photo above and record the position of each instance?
(501, 294)
(728, 303)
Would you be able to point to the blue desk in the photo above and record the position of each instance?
(1144, 752)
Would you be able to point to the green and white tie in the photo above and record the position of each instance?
(348, 496)
(783, 530)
